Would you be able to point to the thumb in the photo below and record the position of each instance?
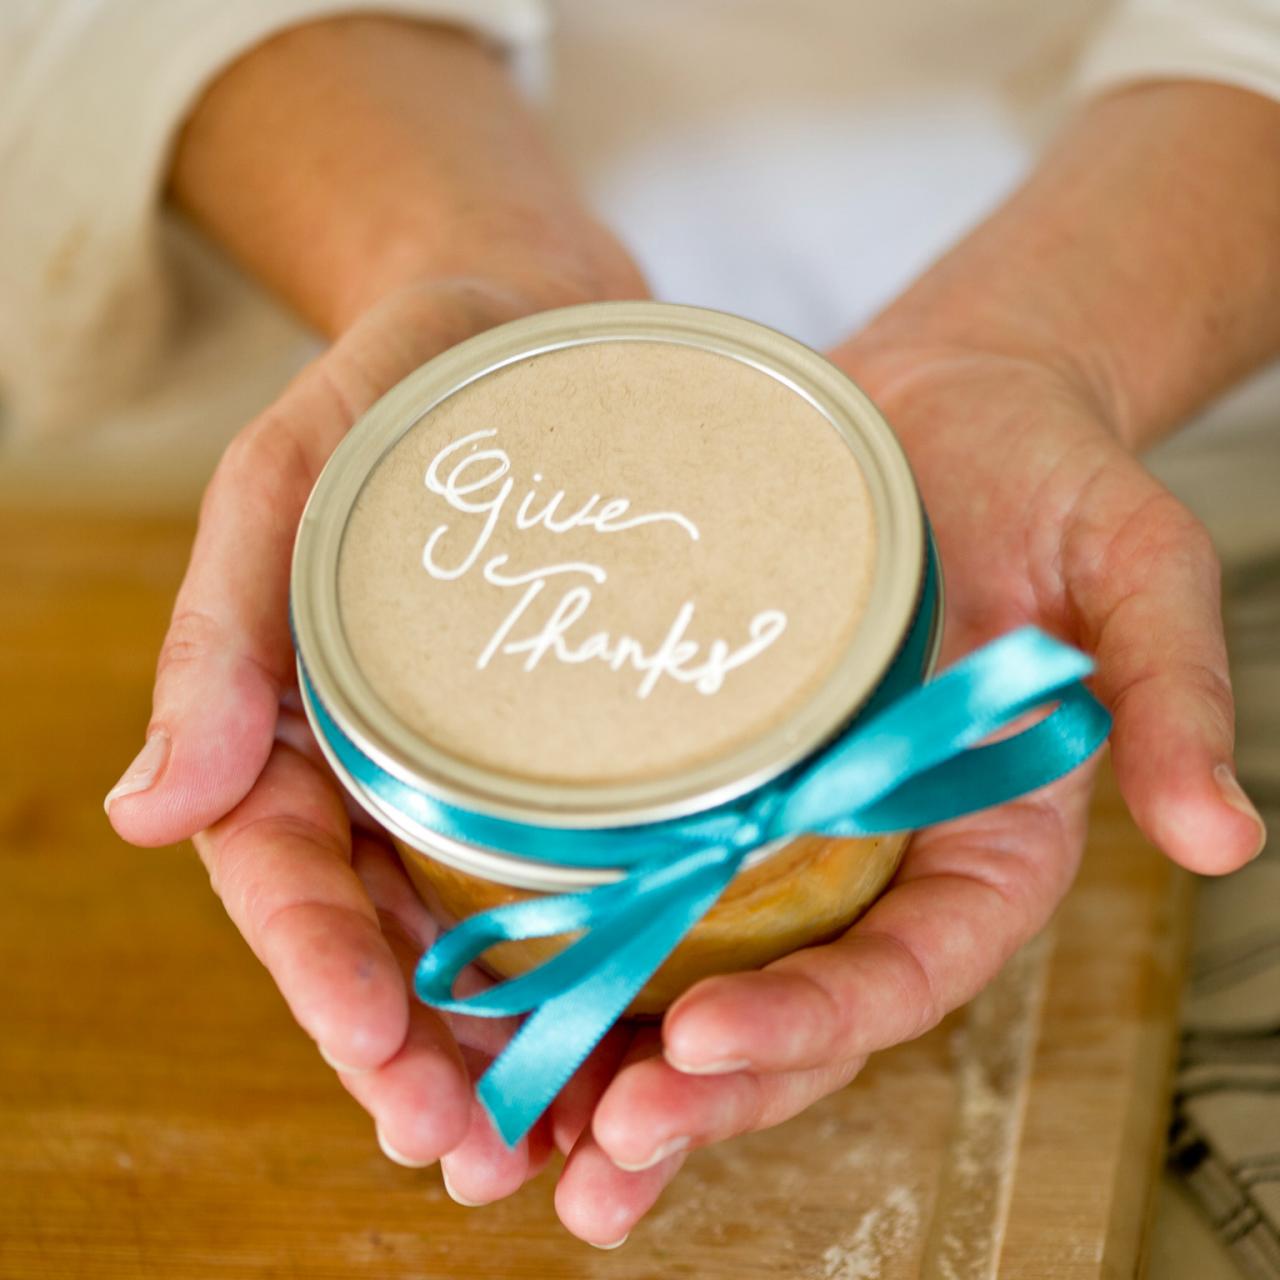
(1152, 603)
(227, 656)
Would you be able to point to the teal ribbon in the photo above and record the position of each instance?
(911, 759)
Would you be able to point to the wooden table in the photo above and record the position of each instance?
(160, 1116)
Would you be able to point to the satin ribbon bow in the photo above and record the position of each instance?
(910, 761)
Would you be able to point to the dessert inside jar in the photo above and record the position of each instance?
(597, 571)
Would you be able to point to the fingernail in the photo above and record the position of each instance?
(723, 1067)
(666, 1149)
(342, 1066)
(397, 1157)
(454, 1196)
(1233, 793)
(617, 1244)
(143, 771)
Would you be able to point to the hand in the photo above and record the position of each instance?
(1123, 285)
(230, 759)
(335, 162)
(1041, 517)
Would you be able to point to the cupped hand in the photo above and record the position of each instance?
(229, 760)
(1041, 517)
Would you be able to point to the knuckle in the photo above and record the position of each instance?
(1157, 527)
(1190, 536)
(925, 990)
(917, 987)
(1210, 679)
(753, 1105)
(192, 636)
(1212, 684)
(266, 455)
(284, 828)
(1027, 859)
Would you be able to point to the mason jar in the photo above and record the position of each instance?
(597, 571)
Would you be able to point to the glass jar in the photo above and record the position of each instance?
(598, 570)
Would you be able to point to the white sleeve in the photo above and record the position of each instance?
(1233, 42)
(92, 94)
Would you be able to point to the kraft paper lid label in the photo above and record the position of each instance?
(606, 563)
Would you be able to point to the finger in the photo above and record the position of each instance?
(652, 1111)
(420, 1116)
(571, 1112)
(599, 1202)
(482, 1168)
(967, 896)
(1150, 602)
(405, 915)
(420, 1098)
(227, 655)
(392, 894)
(280, 862)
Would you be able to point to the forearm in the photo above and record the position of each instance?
(349, 157)
(1143, 253)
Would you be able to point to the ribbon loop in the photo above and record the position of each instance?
(603, 915)
(915, 763)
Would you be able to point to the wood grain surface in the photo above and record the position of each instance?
(161, 1116)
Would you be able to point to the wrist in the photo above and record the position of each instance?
(512, 267)
(927, 339)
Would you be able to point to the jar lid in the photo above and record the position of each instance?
(607, 565)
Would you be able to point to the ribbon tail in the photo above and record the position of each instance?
(555, 1040)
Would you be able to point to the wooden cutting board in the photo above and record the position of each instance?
(160, 1115)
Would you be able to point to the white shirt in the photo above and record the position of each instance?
(797, 161)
